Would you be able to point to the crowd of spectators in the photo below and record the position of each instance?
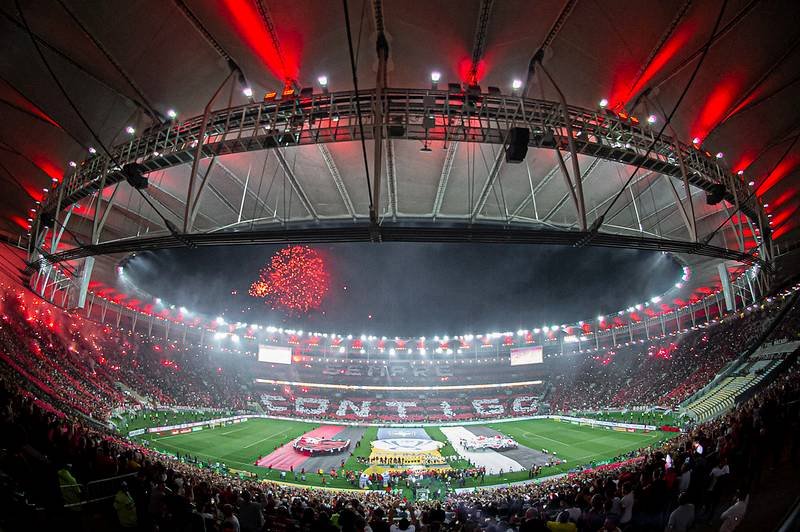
(48, 459)
(788, 329)
(94, 368)
(59, 372)
(662, 373)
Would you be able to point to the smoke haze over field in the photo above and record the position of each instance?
(416, 289)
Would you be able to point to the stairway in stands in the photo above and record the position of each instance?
(141, 399)
(751, 372)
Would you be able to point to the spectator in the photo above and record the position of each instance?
(685, 478)
(682, 518)
(562, 523)
(404, 525)
(610, 525)
(732, 517)
(70, 489)
(251, 514)
(230, 522)
(626, 503)
(594, 518)
(533, 522)
(718, 473)
(125, 507)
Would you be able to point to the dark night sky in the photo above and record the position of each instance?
(417, 289)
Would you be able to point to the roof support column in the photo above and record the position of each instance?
(38, 240)
(337, 179)
(576, 170)
(688, 222)
(199, 152)
(726, 286)
(494, 171)
(449, 158)
(48, 269)
(98, 221)
(750, 287)
(56, 240)
(382, 49)
(86, 275)
(685, 176)
(195, 207)
(391, 178)
(244, 195)
(296, 186)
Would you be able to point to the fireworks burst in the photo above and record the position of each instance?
(295, 280)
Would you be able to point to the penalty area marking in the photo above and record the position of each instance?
(184, 434)
(234, 431)
(160, 438)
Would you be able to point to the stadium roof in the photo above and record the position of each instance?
(128, 64)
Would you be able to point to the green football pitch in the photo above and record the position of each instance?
(239, 446)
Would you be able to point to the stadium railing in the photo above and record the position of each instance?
(792, 519)
(96, 491)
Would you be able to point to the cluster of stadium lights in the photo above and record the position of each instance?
(423, 351)
(603, 349)
(516, 86)
(769, 300)
(130, 130)
(322, 80)
(250, 328)
(697, 142)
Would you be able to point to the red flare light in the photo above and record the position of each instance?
(716, 105)
(283, 63)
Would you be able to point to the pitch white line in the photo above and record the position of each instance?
(170, 436)
(535, 435)
(234, 430)
(268, 437)
(204, 430)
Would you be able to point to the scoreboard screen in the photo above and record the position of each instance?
(274, 355)
(526, 355)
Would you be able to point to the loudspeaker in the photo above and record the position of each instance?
(134, 175)
(396, 128)
(517, 148)
(715, 194)
(474, 90)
